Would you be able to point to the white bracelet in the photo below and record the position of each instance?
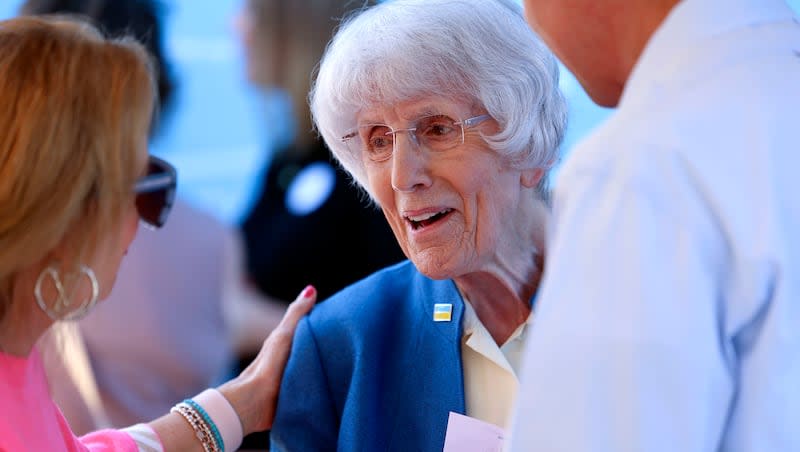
(224, 416)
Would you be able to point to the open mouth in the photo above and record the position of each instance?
(421, 221)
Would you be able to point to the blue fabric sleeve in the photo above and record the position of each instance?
(305, 419)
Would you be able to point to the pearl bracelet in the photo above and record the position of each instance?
(202, 429)
(214, 421)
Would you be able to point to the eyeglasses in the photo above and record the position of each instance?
(435, 133)
(155, 192)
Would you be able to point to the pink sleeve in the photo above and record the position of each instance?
(108, 441)
(99, 441)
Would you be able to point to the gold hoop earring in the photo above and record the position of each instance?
(61, 307)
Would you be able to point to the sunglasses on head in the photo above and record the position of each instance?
(155, 192)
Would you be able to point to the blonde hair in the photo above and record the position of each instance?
(298, 30)
(76, 112)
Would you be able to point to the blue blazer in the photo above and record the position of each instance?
(371, 371)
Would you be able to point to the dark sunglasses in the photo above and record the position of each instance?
(155, 192)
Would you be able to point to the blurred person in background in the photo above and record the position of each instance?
(307, 205)
(75, 182)
(142, 345)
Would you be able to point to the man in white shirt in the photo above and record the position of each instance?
(669, 316)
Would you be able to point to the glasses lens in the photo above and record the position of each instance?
(151, 207)
(438, 133)
(377, 141)
(156, 193)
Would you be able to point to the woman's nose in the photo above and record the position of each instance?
(409, 164)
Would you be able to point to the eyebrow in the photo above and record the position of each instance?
(427, 110)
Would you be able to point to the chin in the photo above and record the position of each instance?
(608, 96)
(433, 268)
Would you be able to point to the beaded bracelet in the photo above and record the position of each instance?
(209, 422)
(201, 429)
(224, 416)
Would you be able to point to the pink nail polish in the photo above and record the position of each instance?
(308, 292)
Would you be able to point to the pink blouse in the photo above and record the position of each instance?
(30, 420)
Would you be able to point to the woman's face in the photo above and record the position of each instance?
(453, 212)
(109, 255)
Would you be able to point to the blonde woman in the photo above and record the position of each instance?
(75, 181)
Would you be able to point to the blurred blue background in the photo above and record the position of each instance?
(219, 132)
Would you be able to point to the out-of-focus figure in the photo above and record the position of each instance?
(307, 205)
(179, 312)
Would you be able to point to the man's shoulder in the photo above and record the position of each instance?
(600, 152)
(628, 153)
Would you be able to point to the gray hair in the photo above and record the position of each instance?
(481, 51)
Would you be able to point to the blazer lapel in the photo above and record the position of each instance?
(433, 384)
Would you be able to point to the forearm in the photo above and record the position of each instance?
(176, 434)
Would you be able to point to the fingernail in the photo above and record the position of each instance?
(308, 292)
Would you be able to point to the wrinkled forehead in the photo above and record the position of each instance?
(389, 112)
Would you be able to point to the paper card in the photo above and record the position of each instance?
(466, 434)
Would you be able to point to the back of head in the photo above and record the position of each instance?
(289, 39)
(75, 118)
(475, 51)
(140, 19)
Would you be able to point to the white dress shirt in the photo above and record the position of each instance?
(669, 315)
(490, 371)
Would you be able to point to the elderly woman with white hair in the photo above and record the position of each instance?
(448, 114)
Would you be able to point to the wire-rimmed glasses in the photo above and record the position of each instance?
(434, 132)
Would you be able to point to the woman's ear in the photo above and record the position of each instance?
(530, 177)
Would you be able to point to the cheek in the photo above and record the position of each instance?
(496, 204)
(130, 225)
(379, 182)
(106, 263)
(476, 183)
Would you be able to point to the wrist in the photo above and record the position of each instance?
(241, 400)
(225, 421)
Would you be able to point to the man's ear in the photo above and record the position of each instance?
(530, 177)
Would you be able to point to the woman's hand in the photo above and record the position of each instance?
(254, 393)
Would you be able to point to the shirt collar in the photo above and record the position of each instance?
(689, 24)
(477, 337)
